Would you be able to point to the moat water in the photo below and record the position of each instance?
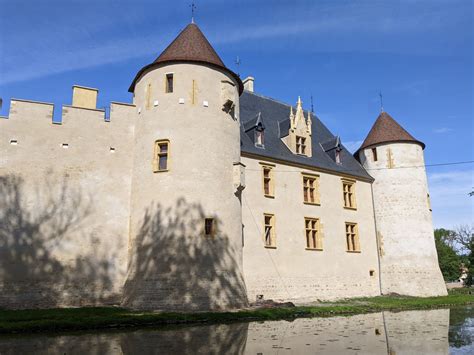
(441, 331)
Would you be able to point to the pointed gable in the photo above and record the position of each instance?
(385, 130)
(189, 46)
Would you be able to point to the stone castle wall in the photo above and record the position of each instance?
(409, 262)
(173, 264)
(290, 271)
(64, 205)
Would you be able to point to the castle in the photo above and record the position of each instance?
(203, 195)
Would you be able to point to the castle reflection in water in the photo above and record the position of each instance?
(412, 332)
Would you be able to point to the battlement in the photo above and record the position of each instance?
(30, 113)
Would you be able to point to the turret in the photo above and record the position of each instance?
(186, 226)
(408, 258)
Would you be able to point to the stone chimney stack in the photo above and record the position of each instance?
(84, 97)
(248, 83)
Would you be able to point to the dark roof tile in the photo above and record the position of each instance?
(385, 130)
(276, 119)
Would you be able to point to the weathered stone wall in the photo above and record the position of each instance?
(290, 272)
(409, 262)
(172, 264)
(64, 205)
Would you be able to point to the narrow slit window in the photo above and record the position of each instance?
(374, 154)
(310, 189)
(269, 228)
(313, 234)
(300, 145)
(148, 97)
(268, 184)
(352, 237)
(161, 157)
(169, 83)
(13, 142)
(209, 228)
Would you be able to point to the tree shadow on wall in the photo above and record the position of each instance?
(40, 264)
(174, 266)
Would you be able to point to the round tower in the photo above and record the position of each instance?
(186, 225)
(408, 258)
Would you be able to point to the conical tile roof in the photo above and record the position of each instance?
(189, 46)
(385, 130)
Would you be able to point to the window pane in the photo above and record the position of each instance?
(163, 162)
(163, 147)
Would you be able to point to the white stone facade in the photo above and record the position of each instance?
(86, 218)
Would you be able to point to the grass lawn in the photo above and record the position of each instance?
(61, 319)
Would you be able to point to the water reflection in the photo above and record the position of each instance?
(414, 332)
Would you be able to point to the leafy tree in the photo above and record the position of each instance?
(449, 261)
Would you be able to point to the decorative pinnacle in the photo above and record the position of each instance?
(299, 103)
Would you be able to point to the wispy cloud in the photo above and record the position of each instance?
(450, 198)
(442, 130)
(37, 46)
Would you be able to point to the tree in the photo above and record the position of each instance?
(449, 261)
(462, 240)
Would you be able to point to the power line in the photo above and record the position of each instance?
(396, 167)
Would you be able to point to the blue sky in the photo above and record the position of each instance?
(419, 53)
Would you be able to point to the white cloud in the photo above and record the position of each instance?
(450, 200)
(442, 130)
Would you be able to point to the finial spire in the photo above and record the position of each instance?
(299, 103)
(381, 101)
(312, 107)
(193, 8)
(237, 63)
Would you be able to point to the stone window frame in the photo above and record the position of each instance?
(374, 153)
(313, 233)
(157, 153)
(269, 225)
(213, 227)
(270, 179)
(312, 185)
(167, 83)
(350, 202)
(352, 237)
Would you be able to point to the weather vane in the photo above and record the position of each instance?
(381, 101)
(193, 8)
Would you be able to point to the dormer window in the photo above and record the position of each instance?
(338, 157)
(300, 145)
(259, 137)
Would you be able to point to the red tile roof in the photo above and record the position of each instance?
(189, 46)
(385, 130)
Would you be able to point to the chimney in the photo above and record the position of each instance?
(248, 83)
(84, 97)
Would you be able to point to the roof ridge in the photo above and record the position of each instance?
(278, 102)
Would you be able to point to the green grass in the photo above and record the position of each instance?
(62, 319)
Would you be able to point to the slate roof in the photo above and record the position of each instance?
(275, 115)
(385, 130)
(189, 46)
